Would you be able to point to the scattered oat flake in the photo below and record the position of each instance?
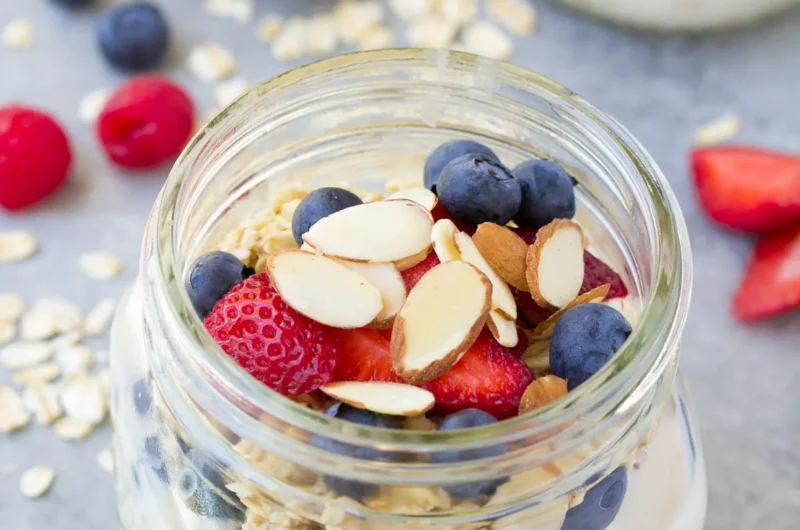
(84, 399)
(239, 10)
(291, 41)
(211, 62)
(431, 32)
(11, 306)
(459, 12)
(66, 340)
(13, 414)
(487, 39)
(70, 429)
(322, 35)
(8, 330)
(106, 460)
(410, 10)
(269, 28)
(356, 19)
(92, 105)
(18, 33)
(75, 359)
(101, 265)
(42, 400)
(17, 245)
(98, 318)
(38, 374)
(376, 38)
(227, 91)
(36, 481)
(720, 130)
(37, 325)
(25, 354)
(517, 16)
(63, 315)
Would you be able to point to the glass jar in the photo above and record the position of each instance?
(681, 15)
(200, 444)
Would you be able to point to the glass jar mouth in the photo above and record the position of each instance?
(631, 371)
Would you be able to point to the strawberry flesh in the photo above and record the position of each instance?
(414, 274)
(596, 273)
(364, 355)
(771, 284)
(748, 189)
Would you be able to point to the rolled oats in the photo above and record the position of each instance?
(84, 399)
(42, 400)
(92, 104)
(98, 318)
(290, 43)
(71, 338)
(18, 33)
(75, 359)
(376, 38)
(239, 10)
(37, 325)
(70, 429)
(11, 306)
(517, 16)
(227, 91)
(720, 130)
(36, 481)
(25, 354)
(106, 460)
(211, 62)
(354, 19)
(65, 315)
(13, 414)
(431, 32)
(8, 330)
(17, 245)
(485, 38)
(410, 500)
(38, 374)
(101, 265)
(269, 28)
(322, 35)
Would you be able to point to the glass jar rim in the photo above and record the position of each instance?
(657, 334)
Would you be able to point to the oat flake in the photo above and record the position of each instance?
(13, 414)
(16, 245)
(65, 315)
(106, 460)
(239, 10)
(70, 429)
(11, 306)
(98, 318)
(42, 400)
(18, 33)
(66, 340)
(376, 38)
(8, 330)
(38, 374)
(431, 32)
(485, 38)
(356, 19)
(720, 130)
(37, 325)
(101, 265)
(211, 62)
(92, 105)
(25, 354)
(75, 359)
(517, 16)
(269, 28)
(227, 91)
(84, 399)
(36, 481)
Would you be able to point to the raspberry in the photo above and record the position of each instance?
(34, 156)
(146, 122)
(283, 349)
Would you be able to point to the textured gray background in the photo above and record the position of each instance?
(744, 378)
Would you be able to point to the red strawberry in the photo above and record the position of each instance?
(772, 282)
(746, 188)
(529, 310)
(283, 349)
(488, 377)
(415, 273)
(364, 355)
(527, 234)
(440, 212)
(596, 273)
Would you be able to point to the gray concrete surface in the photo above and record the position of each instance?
(745, 379)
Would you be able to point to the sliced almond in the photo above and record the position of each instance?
(395, 399)
(443, 240)
(422, 196)
(407, 263)
(541, 392)
(504, 331)
(377, 232)
(387, 280)
(544, 330)
(323, 289)
(555, 263)
(36, 481)
(502, 300)
(504, 251)
(442, 317)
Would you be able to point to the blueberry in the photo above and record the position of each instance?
(212, 276)
(352, 488)
(74, 3)
(445, 153)
(467, 419)
(600, 504)
(547, 193)
(584, 339)
(477, 189)
(203, 500)
(133, 37)
(142, 399)
(317, 205)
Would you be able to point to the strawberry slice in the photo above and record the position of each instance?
(440, 212)
(596, 273)
(414, 274)
(771, 284)
(364, 355)
(748, 189)
(488, 377)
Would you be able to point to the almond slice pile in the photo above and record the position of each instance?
(502, 300)
(555, 263)
(504, 331)
(505, 252)
(377, 232)
(544, 330)
(421, 196)
(323, 289)
(442, 317)
(387, 280)
(443, 240)
(395, 399)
